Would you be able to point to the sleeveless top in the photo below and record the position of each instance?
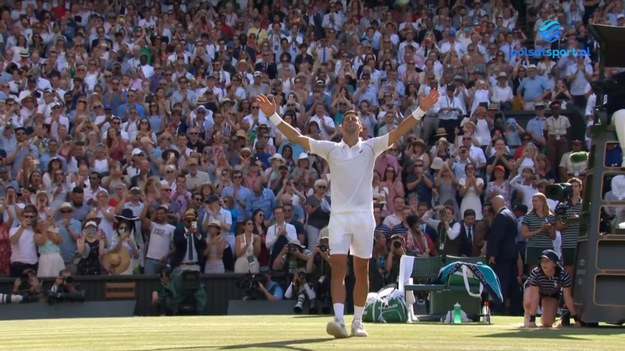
(249, 251)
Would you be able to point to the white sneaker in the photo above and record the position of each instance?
(337, 328)
(358, 329)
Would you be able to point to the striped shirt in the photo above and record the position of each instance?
(569, 235)
(549, 286)
(533, 222)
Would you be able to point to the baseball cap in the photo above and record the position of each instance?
(135, 190)
(136, 151)
(500, 168)
(520, 208)
(550, 255)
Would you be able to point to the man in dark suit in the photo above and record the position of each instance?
(244, 48)
(502, 251)
(267, 65)
(188, 244)
(470, 242)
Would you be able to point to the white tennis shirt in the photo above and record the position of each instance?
(352, 171)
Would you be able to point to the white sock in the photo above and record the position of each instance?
(339, 308)
(358, 311)
(16, 298)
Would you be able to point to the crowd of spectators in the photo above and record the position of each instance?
(144, 113)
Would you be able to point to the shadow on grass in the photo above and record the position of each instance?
(283, 344)
(560, 333)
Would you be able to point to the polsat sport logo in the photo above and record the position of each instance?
(550, 31)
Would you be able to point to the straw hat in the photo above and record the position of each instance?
(441, 132)
(116, 262)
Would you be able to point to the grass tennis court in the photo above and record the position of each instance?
(291, 333)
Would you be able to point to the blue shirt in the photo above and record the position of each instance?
(536, 125)
(242, 194)
(122, 110)
(20, 155)
(266, 201)
(68, 246)
(533, 88)
(275, 289)
(614, 157)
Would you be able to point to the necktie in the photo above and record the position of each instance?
(190, 249)
(470, 236)
(323, 56)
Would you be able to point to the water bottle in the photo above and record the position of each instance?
(486, 313)
(457, 314)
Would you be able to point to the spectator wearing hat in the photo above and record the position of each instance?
(569, 169)
(499, 185)
(195, 178)
(214, 249)
(502, 92)
(90, 248)
(556, 132)
(215, 211)
(189, 246)
(533, 89)
(69, 232)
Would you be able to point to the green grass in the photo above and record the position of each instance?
(292, 333)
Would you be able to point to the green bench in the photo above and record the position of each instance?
(443, 295)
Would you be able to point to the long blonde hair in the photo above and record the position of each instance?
(546, 208)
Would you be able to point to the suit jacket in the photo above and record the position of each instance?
(180, 245)
(502, 236)
(470, 248)
(272, 69)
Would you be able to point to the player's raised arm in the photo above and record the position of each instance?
(425, 103)
(269, 109)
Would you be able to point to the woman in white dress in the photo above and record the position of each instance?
(470, 189)
(247, 249)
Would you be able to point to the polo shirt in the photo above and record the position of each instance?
(352, 168)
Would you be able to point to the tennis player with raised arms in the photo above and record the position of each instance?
(352, 223)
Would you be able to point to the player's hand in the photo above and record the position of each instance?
(267, 105)
(426, 102)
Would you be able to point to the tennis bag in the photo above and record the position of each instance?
(386, 306)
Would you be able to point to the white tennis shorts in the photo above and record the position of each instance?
(353, 232)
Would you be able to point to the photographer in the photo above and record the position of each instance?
(318, 266)
(27, 286)
(299, 287)
(262, 287)
(294, 254)
(447, 229)
(65, 289)
(394, 256)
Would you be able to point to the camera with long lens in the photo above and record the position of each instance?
(24, 282)
(397, 244)
(251, 282)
